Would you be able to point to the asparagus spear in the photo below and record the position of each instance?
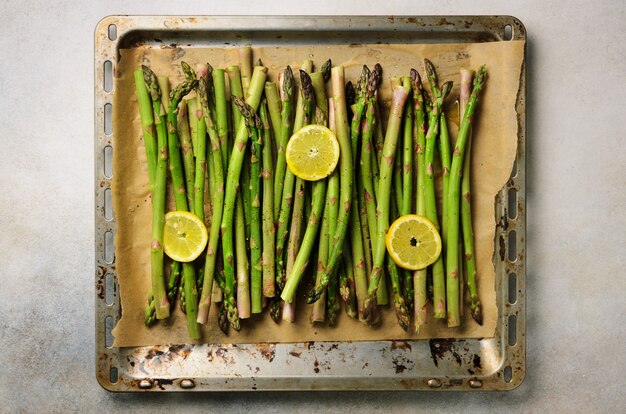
(217, 201)
(345, 180)
(407, 156)
(439, 288)
(269, 232)
(444, 155)
(245, 63)
(158, 199)
(419, 127)
(273, 105)
(333, 212)
(367, 193)
(358, 218)
(190, 162)
(362, 255)
(402, 312)
(188, 157)
(321, 100)
(192, 107)
(245, 184)
(396, 180)
(466, 207)
(360, 276)
(367, 158)
(200, 153)
(452, 256)
(419, 276)
(364, 223)
(400, 94)
(288, 197)
(164, 85)
(150, 143)
(236, 89)
(318, 80)
(318, 197)
(295, 238)
(254, 125)
(147, 126)
(245, 223)
(319, 308)
(379, 138)
(176, 172)
(221, 111)
(232, 183)
(407, 185)
(359, 107)
(286, 93)
(173, 285)
(333, 185)
(242, 266)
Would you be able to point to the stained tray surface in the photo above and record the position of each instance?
(496, 363)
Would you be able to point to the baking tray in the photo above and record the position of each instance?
(496, 363)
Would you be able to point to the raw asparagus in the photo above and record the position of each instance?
(452, 255)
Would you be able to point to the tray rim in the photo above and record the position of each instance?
(513, 354)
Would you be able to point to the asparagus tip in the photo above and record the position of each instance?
(246, 111)
(307, 86)
(350, 94)
(182, 90)
(430, 68)
(446, 88)
(368, 306)
(402, 314)
(344, 292)
(288, 83)
(151, 82)
(326, 67)
(481, 74)
(477, 313)
(222, 319)
(361, 86)
(233, 316)
(314, 295)
(187, 70)
(276, 310)
(374, 80)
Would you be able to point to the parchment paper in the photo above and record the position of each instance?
(494, 148)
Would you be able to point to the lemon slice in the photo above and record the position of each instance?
(413, 242)
(312, 152)
(184, 236)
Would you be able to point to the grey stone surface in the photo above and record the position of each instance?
(576, 225)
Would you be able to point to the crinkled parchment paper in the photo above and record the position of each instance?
(494, 148)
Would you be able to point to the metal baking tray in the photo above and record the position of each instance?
(496, 363)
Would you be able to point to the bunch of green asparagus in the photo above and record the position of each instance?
(269, 228)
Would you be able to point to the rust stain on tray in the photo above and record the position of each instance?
(440, 347)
